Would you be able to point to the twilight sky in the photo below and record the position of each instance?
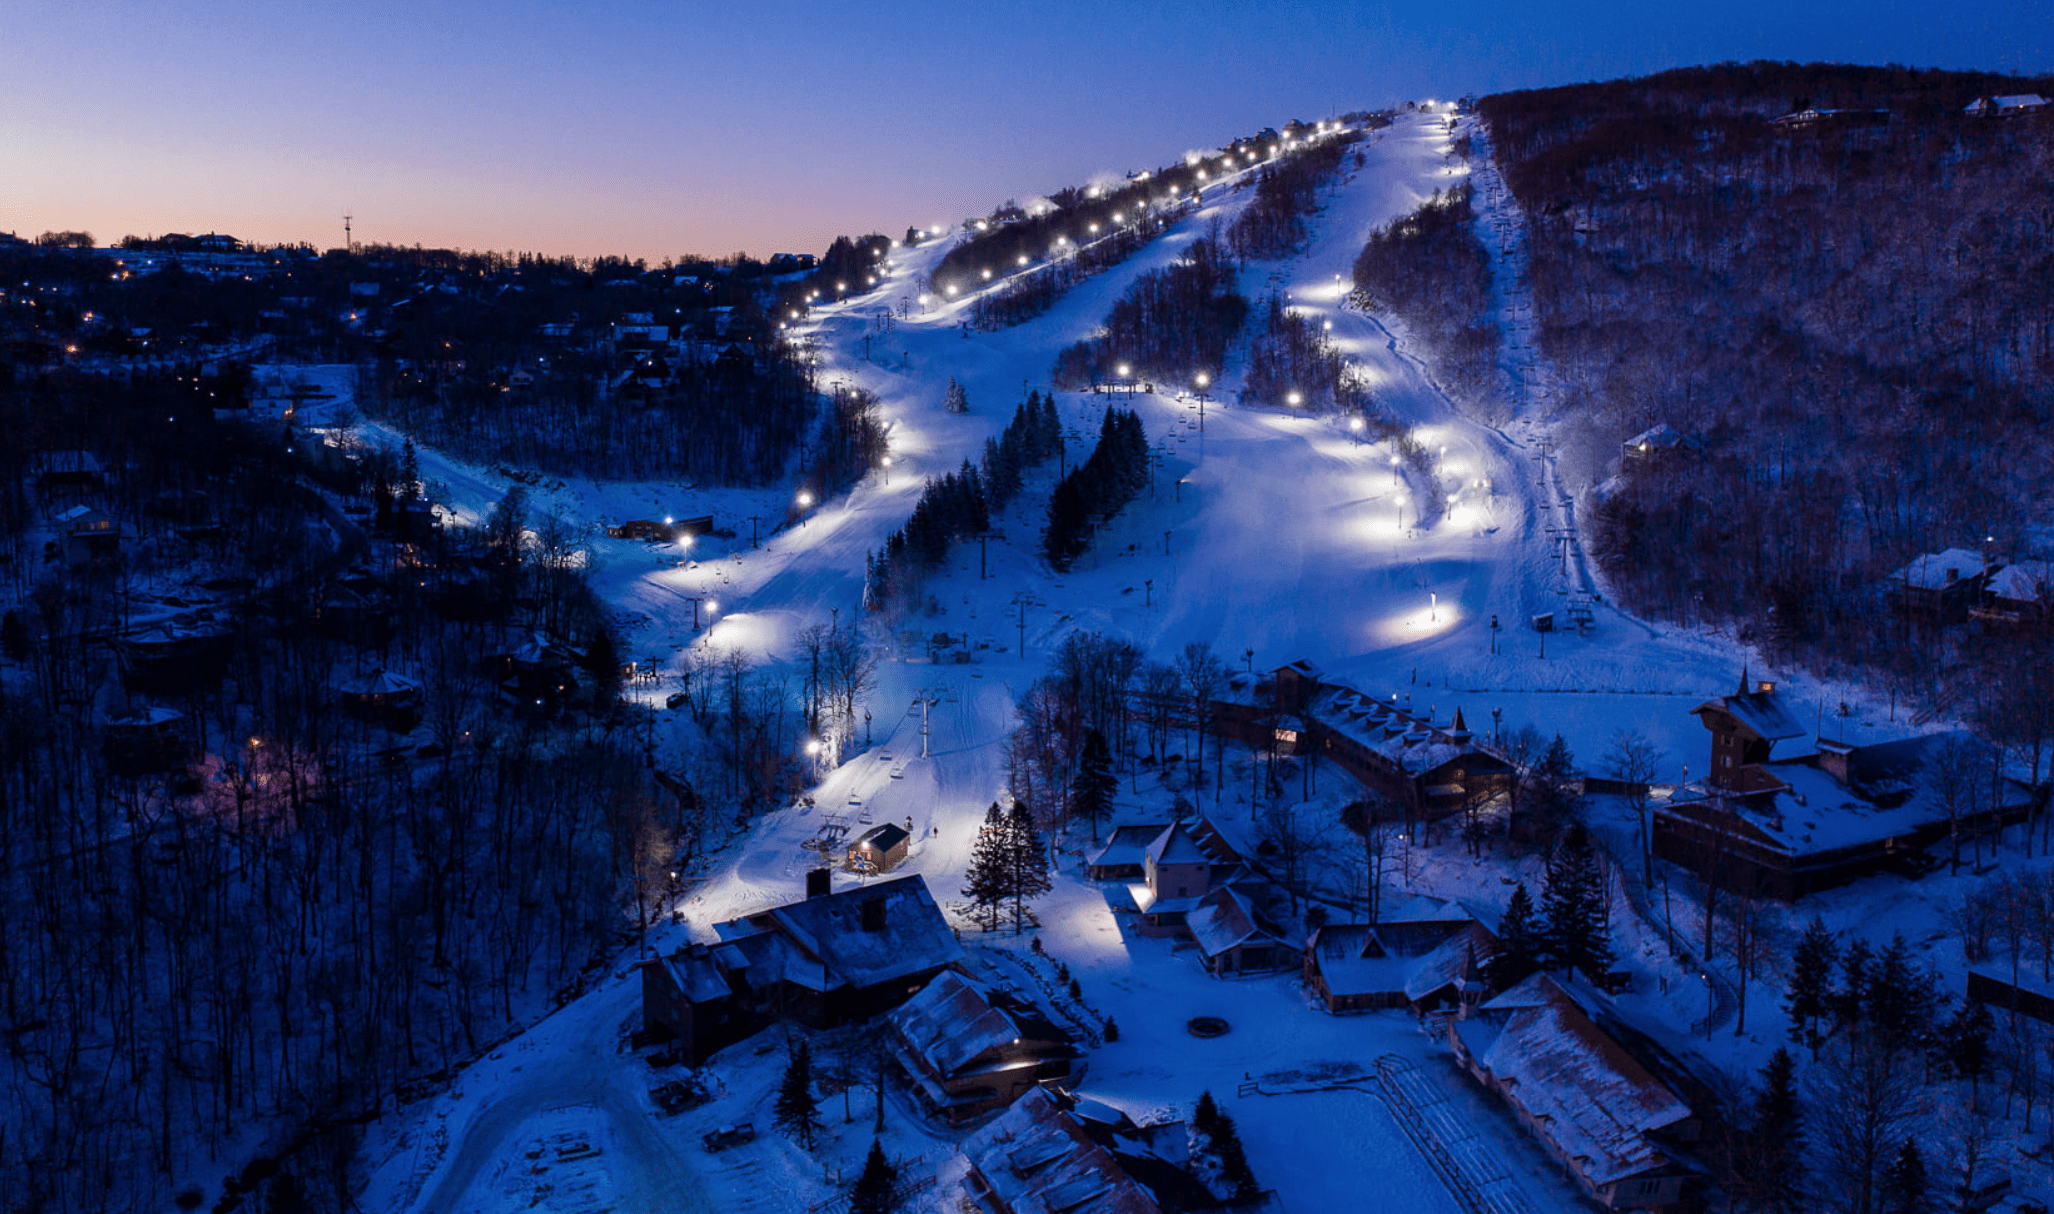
(655, 128)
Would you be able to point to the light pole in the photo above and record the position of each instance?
(1203, 382)
(1123, 372)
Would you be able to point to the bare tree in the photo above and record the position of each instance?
(1632, 762)
(1952, 776)
(1203, 672)
(1750, 936)
(1299, 846)
(1866, 1099)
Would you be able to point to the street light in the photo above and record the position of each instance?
(1294, 399)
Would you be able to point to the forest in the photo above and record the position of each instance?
(246, 903)
(1171, 325)
(1846, 317)
(1432, 270)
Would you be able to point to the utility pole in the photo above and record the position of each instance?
(1023, 600)
(752, 529)
(346, 245)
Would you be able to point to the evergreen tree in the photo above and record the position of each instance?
(1904, 1182)
(1048, 427)
(957, 401)
(1851, 1000)
(986, 879)
(1967, 1041)
(797, 1111)
(381, 506)
(1901, 998)
(875, 1191)
(1027, 874)
(1775, 1139)
(14, 637)
(1519, 943)
(1551, 796)
(1066, 536)
(1576, 909)
(1112, 1030)
(1811, 975)
(1205, 1119)
(409, 472)
(1091, 793)
(1233, 1157)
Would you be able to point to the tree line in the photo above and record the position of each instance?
(1430, 269)
(1272, 225)
(1096, 489)
(961, 505)
(1171, 324)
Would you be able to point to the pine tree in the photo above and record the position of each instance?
(1065, 537)
(1551, 797)
(1205, 1119)
(14, 637)
(1112, 1030)
(1775, 1139)
(986, 879)
(1233, 1157)
(1850, 1002)
(1811, 975)
(957, 401)
(1901, 998)
(409, 472)
(1091, 793)
(1519, 942)
(875, 1191)
(797, 1111)
(1027, 874)
(1968, 1044)
(1904, 1182)
(1576, 909)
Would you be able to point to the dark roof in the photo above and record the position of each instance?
(883, 837)
(1761, 711)
(820, 942)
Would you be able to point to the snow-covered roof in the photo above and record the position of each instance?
(1939, 570)
(1038, 1160)
(952, 1022)
(1226, 919)
(884, 836)
(1414, 742)
(694, 972)
(149, 718)
(1127, 845)
(1659, 435)
(1576, 1081)
(2024, 582)
(1176, 846)
(832, 947)
(1764, 712)
(1456, 960)
(380, 683)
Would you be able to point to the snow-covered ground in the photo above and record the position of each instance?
(1287, 539)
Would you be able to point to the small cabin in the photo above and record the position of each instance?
(881, 848)
(89, 536)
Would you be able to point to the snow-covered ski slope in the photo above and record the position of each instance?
(1288, 537)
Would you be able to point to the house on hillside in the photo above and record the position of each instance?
(72, 472)
(383, 698)
(689, 998)
(1941, 587)
(88, 536)
(2011, 105)
(151, 740)
(1426, 954)
(1653, 443)
(1785, 827)
(1600, 1097)
(2019, 595)
(966, 1049)
(1049, 1155)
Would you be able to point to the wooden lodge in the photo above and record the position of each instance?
(1786, 827)
(1426, 954)
(828, 960)
(967, 1050)
(1431, 768)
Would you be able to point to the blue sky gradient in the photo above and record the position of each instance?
(657, 129)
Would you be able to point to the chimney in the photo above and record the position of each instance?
(819, 883)
(873, 914)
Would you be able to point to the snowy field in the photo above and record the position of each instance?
(1287, 540)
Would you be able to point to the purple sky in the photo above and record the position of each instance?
(653, 128)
